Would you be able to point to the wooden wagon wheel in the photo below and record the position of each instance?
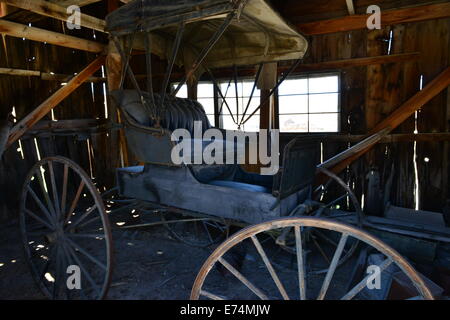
(63, 223)
(297, 284)
(196, 232)
(287, 239)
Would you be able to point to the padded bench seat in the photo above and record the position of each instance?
(239, 186)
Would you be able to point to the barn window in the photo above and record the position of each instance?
(205, 95)
(309, 103)
(230, 121)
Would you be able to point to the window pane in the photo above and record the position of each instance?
(324, 84)
(252, 125)
(324, 103)
(294, 123)
(228, 124)
(231, 104)
(211, 119)
(205, 90)
(182, 93)
(253, 105)
(247, 88)
(293, 104)
(231, 90)
(325, 122)
(208, 104)
(293, 86)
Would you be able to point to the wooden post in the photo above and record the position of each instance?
(114, 76)
(267, 82)
(37, 114)
(112, 5)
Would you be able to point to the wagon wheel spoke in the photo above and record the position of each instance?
(42, 221)
(300, 263)
(81, 219)
(361, 285)
(269, 267)
(86, 254)
(300, 225)
(54, 189)
(322, 253)
(74, 202)
(83, 269)
(40, 173)
(95, 219)
(40, 204)
(47, 233)
(58, 272)
(333, 265)
(211, 296)
(68, 261)
(64, 190)
(243, 279)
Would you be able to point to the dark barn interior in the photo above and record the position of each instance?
(374, 104)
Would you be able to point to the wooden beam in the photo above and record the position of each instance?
(356, 62)
(80, 3)
(112, 5)
(56, 11)
(37, 114)
(417, 101)
(68, 125)
(391, 17)
(402, 113)
(390, 138)
(21, 31)
(350, 7)
(312, 67)
(44, 75)
(3, 10)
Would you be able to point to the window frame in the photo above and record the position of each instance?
(218, 118)
(309, 75)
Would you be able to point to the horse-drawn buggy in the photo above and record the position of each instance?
(64, 219)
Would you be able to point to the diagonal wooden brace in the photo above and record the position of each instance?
(37, 114)
(345, 158)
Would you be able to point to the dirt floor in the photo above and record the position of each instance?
(151, 264)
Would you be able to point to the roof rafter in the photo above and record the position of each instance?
(56, 11)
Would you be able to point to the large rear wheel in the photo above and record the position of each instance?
(260, 279)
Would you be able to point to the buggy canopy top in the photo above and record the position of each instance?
(256, 34)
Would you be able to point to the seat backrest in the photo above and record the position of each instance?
(300, 158)
(179, 113)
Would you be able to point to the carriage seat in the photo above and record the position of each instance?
(179, 113)
(233, 177)
(239, 186)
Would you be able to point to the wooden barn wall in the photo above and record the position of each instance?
(369, 94)
(26, 93)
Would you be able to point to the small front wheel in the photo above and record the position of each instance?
(66, 231)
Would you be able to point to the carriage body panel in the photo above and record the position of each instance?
(177, 187)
